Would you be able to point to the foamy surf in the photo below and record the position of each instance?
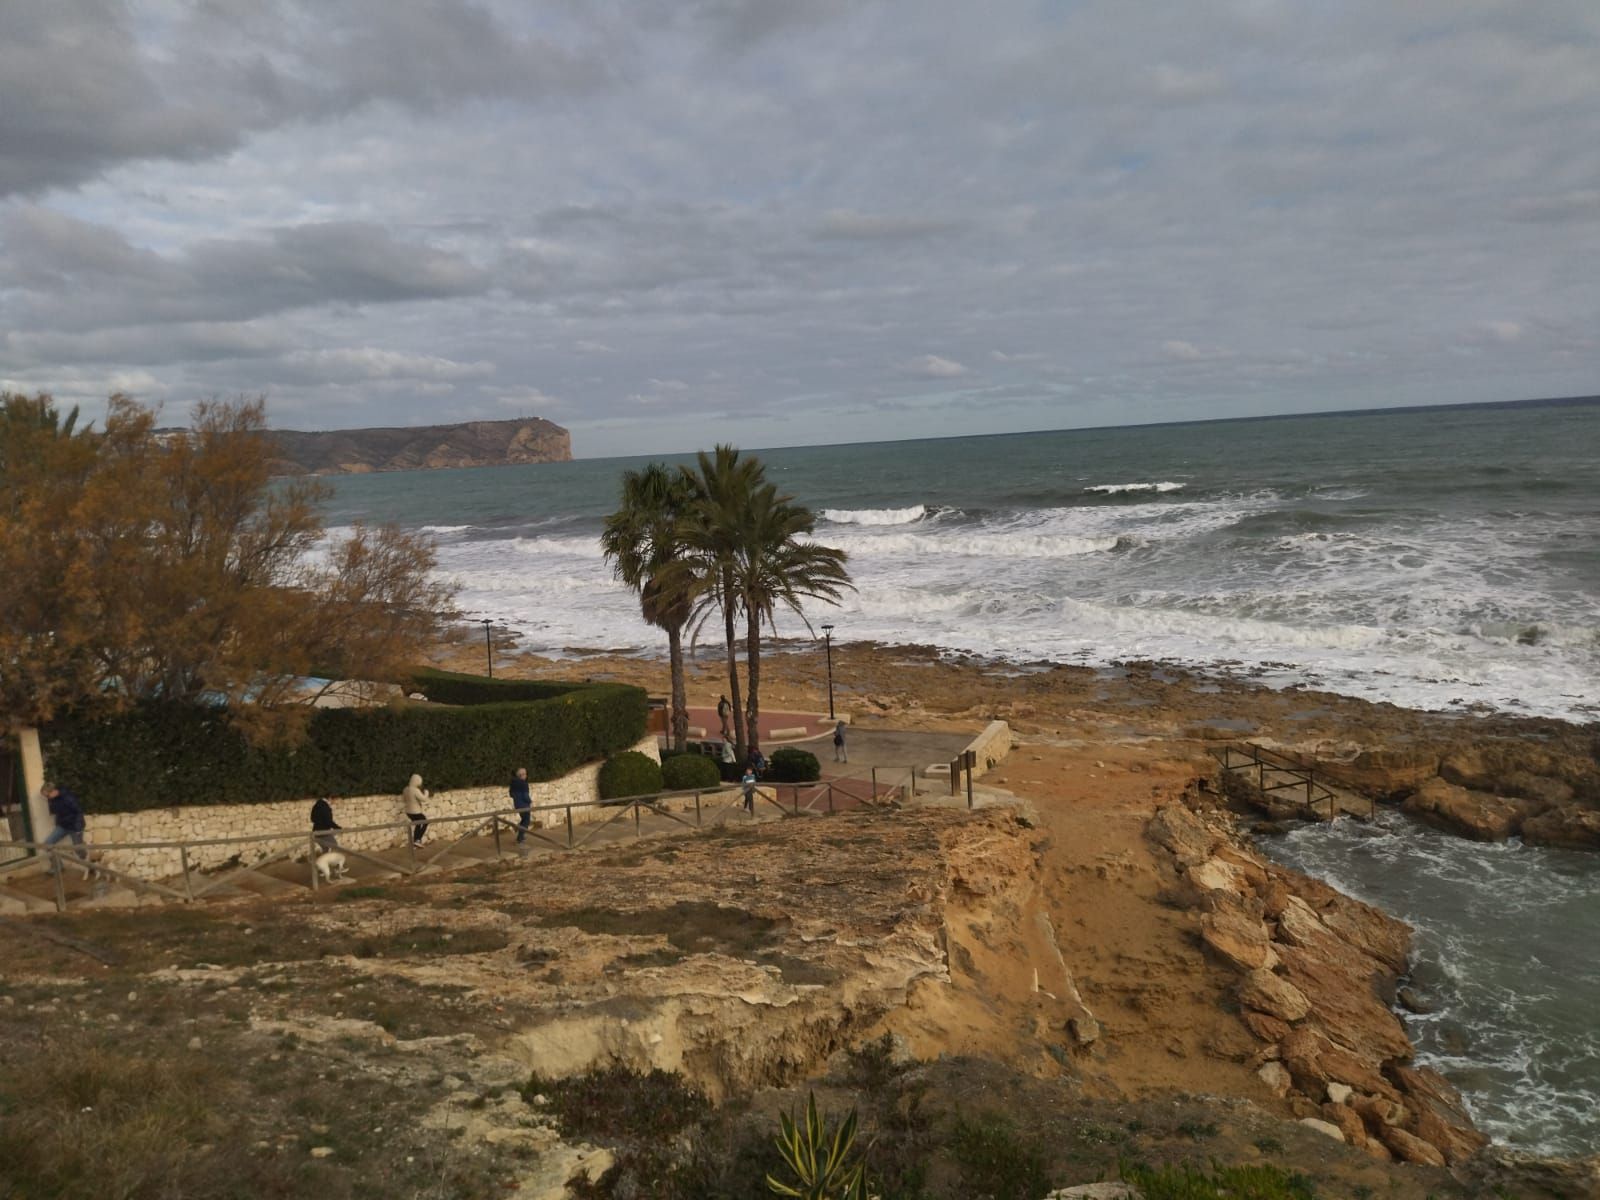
(1113, 489)
(1507, 949)
(875, 516)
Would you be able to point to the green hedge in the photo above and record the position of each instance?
(683, 771)
(452, 687)
(157, 755)
(629, 774)
(789, 765)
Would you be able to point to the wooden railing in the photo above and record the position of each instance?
(194, 883)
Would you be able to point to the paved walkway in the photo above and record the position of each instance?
(776, 728)
(885, 765)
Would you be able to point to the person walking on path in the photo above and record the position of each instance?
(67, 812)
(323, 824)
(839, 754)
(411, 805)
(725, 715)
(748, 783)
(522, 802)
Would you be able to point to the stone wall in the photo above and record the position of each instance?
(991, 746)
(292, 820)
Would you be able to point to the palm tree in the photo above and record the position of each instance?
(722, 485)
(776, 568)
(748, 559)
(642, 540)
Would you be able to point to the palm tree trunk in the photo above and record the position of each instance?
(752, 662)
(729, 611)
(680, 698)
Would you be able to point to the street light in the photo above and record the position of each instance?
(827, 641)
(488, 652)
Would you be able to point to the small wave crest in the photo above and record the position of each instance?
(978, 545)
(1116, 489)
(875, 516)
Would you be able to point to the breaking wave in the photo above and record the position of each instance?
(1113, 489)
(875, 516)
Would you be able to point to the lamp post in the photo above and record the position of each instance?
(488, 650)
(827, 642)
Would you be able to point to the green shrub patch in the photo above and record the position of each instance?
(159, 755)
(684, 771)
(789, 765)
(629, 774)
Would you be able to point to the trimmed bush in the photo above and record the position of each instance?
(160, 755)
(452, 687)
(790, 765)
(629, 774)
(684, 771)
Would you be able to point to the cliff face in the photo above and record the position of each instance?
(422, 447)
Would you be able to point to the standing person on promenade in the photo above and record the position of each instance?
(67, 812)
(725, 715)
(748, 783)
(411, 806)
(839, 754)
(323, 824)
(522, 802)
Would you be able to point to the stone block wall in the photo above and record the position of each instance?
(991, 746)
(292, 820)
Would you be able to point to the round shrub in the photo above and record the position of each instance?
(629, 774)
(684, 771)
(789, 765)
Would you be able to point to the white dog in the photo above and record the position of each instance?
(330, 865)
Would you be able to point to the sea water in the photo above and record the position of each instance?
(1445, 560)
(1507, 954)
(1440, 560)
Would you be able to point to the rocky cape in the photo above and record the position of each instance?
(421, 447)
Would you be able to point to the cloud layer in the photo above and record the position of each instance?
(797, 222)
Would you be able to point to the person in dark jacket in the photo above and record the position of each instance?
(522, 802)
(67, 812)
(323, 824)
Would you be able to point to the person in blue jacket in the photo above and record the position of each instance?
(67, 812)
(522, 802)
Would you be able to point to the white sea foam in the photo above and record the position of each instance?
(1111, 489)
(1429, 614)
(875, 516)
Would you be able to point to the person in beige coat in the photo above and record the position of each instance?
(411, 801)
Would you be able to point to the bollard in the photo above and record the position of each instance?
(183, 858)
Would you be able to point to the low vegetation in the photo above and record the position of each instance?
(792, 765)
(629, 774)
(680, 772)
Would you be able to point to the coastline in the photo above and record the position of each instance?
(1485, 775)
(1089, 725)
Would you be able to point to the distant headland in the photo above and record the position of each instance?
(421, 447)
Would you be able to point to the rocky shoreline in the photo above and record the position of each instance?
(1317, 972)
(1481, 775)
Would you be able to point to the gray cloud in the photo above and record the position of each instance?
(643, 217)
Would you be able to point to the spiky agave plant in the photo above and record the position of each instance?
(821, 1159)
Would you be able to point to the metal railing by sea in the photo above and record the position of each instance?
(689, 809)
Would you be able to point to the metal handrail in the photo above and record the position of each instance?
(1262, 759)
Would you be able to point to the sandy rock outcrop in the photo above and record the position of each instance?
(1316, 971)
(1570, 827)
(1537, 780)
(1482, 816)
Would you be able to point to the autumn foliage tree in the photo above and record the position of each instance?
(147, 564)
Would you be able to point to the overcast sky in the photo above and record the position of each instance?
(794, 221)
